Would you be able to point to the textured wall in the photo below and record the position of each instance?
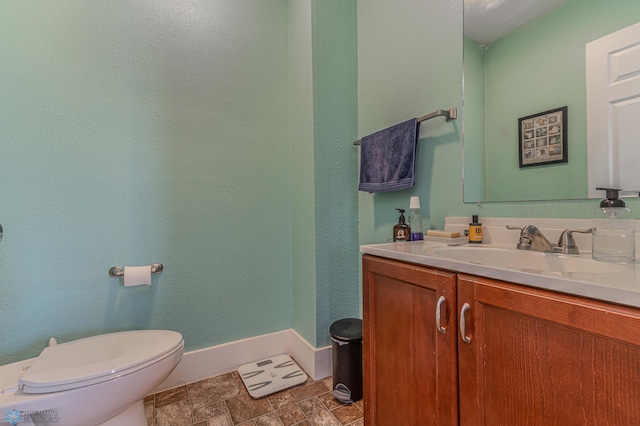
(323, 64)
(410, 64)
(474, 122)
(141, 132)
(303, 216)
(335, 65)
(137, 132)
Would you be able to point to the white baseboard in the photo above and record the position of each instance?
(215, 360)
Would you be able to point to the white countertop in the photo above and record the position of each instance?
(621, 286)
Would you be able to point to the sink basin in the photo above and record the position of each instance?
(526, 260)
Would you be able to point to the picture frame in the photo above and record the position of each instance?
(542, 138)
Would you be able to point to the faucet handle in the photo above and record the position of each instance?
(520, 228)
(582, 231)
(566, 243)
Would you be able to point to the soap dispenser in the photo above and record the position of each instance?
(402, 231)
(613, 238)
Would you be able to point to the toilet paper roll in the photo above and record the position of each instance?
(137, 275)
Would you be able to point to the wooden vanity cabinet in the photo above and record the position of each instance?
(410, 368)
(538, 357)
(528, 356)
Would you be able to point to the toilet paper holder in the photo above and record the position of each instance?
(118, 271)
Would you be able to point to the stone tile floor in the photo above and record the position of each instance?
(224, 401)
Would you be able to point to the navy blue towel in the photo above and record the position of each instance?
(387, 158)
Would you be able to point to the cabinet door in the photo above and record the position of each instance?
(541, 358)
(410, 368)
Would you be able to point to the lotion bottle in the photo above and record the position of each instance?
(402, 231)
(475, 231)
(613, 238)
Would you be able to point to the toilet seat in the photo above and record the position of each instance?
(97, 359)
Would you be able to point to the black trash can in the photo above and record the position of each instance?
(346, 337)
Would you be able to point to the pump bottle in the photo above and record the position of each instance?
(402, 231)
(613, 238)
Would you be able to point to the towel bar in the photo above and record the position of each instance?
(449, 114)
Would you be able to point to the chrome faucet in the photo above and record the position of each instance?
(531, 238)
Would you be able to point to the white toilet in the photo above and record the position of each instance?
(100, 380)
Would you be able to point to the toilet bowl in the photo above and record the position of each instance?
(99, 380)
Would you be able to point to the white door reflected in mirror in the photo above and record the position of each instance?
(613, 108)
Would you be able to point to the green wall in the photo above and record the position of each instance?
(303, 217)
(183, 133)
(538, 68)
(335, 117)
(324, 205)
(474, 122)
(203, 135)
(410, 63)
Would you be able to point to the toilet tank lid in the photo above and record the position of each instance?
(105, 355)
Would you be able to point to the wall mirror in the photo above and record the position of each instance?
(522, 59)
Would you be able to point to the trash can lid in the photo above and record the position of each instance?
(346, 329)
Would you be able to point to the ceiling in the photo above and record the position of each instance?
(486, 21)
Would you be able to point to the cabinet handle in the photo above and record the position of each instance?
(440, 328)
(463, 331)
